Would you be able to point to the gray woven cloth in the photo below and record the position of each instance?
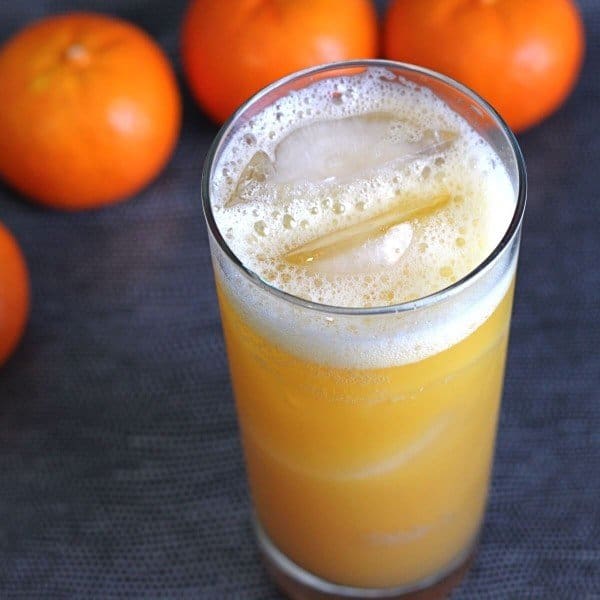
(120, 467)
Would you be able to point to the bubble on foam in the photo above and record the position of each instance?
(294, 201)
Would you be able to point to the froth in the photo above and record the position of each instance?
(298, 187)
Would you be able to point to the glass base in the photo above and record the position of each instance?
(299, 584)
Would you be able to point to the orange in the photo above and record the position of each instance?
(90, 110)
(14, 293)
(232, 49)
(522, 56)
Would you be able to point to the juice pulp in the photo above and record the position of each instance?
(369, 477)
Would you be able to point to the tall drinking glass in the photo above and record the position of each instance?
(368, 424)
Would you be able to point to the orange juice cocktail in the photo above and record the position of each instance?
(365, 221)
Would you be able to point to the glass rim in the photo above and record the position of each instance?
(410, 305)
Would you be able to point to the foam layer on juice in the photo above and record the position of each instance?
(359, 192)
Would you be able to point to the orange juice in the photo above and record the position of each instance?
(377, 477)
(366, 344)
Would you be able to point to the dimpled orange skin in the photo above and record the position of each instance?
(90, 110)
(522, 56)
(14, 294)
(232, 49)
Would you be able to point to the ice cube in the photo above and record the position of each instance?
(407, 453)
(377, 242)
(255, 174)
(334, 152)
(373, 254)
(342, 149)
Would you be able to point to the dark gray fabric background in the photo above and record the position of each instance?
(120, 468)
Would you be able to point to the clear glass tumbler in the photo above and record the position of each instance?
(368, 482)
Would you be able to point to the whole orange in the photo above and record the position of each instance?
(522, 56)
(232, 49)
(90, 110)
(14, 293)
